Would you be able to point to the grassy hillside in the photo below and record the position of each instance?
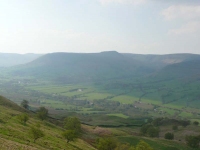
(14, 135)
(188, 69)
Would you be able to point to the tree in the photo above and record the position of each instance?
(169, 136)
(24, 104)
(123, 146)
(69, 135)
(42, 113)
(106, 144)
(185, 123)
(144, 129)
(23, 118)
(132, 148)
(196, 123)
(143, 146)
(72, 123)
(36, 133)
(153, 132)
(192, 141)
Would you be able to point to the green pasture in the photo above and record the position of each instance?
(169, 111)
(185, 114)
(156, 144)
(119, 115)
(124, 99)
(96, 96)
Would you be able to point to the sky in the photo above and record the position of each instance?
(90, 26)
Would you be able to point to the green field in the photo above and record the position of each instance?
(118, 115)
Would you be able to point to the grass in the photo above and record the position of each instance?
(124, 99)
(156, 144)
(119, 115)
(14, 135)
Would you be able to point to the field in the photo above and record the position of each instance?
(147, 99)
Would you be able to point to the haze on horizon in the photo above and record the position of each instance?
(127, 26)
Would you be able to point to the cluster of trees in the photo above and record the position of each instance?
(149, 130)
(112, 144)
(167, 121)
(193, 141)
(72, 125)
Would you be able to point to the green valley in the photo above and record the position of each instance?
(114, 95)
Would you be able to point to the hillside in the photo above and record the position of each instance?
(14, 135)
(11, 59)
(187, 69)
(92, 67)
(160, 61)
(71, 67)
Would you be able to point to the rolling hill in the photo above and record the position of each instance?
(73, 68)
(186, 69)
(92, 67)
(11, 59)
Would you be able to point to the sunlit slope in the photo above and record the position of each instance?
(14, 135)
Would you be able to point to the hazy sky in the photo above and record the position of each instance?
(133, 26)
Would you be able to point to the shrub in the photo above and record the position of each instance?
(36, 133)
(169, 136)
(175, 127)
(23, 118)
(192, 141)
(196, 123)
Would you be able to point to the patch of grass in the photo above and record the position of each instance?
(119, 115)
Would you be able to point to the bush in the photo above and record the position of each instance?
(23, 118)
(192, 141)
(153, 132)
(72, 123)
(36, 133)
(175, 127)
(143, 146)
(169, 136)
(42, 113)
(196, 123)
(24, 104)
(106, 144)
(69, 135)
(144, 128)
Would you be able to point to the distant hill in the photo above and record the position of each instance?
(186, 69)
(11, 59)
(160, 61)
(72, 67)
(90, 67)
